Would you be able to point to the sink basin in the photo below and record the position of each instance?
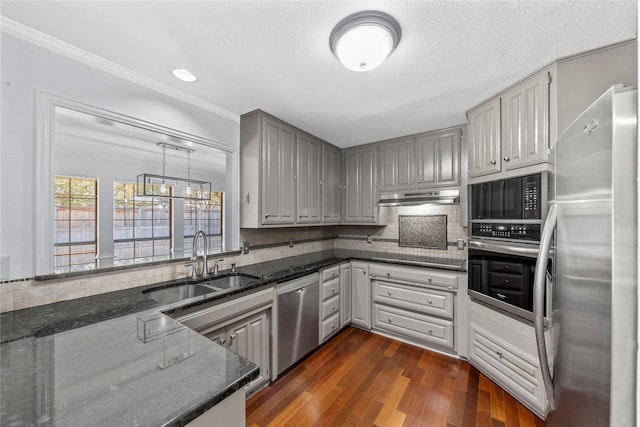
(229, 281)
(177, 293)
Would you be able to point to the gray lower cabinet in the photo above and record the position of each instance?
(242, 324)
(248, 337)
(346, 294)
(330, 302)
(361, 295)
(360, 186)
(505, 350)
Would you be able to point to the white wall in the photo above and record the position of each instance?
(26, 69)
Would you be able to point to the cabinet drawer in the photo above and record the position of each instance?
(330, 288)
(329, 326)
(414, 298)
(330, 273)
(330, 307)
(417, 275)
(414, 325)
(515, 371)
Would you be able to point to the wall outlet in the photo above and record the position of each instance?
(460, 244)
(291, 243)
(369, 238)
(245, 247)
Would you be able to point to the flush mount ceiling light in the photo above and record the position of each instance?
(184, 75)
(363, 41)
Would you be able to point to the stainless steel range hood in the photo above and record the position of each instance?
(445, 196)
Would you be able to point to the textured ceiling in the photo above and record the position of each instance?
(275, 55)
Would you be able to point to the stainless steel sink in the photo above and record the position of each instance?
(229, 281)
(177, 293)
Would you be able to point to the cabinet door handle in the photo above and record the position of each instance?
(410, 182)
(221, 341)
(419, 181)
(266, 215)
(333, 327)
(506, 159)
(231, 338)
(430, 301)
(389, 319)
(364, 272)
(333, 290)
(333, 308)
(389, 292)
(492, 162)
(430, 331)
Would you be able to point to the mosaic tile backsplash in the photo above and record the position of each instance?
(422, 231)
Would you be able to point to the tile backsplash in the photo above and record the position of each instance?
(265, 245)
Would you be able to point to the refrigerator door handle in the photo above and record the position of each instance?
(539, 301)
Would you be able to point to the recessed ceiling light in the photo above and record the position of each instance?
(363, 40)
(184, 75)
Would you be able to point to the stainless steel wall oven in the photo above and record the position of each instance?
(506, 220)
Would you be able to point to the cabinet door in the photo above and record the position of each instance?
(484, 138)
(449, 158)
(397, 165)
(525, 123)
(309, 154)
(278, 173)
(345, 293)
(250, 339)
(330, 184)
(427, 160)
(361, 304)
(369, 189)
(361, 187)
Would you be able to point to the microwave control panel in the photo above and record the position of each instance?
(528, 232)
(531, 197)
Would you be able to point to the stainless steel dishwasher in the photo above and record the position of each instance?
(297, 319)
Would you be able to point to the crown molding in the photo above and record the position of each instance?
(58, 46)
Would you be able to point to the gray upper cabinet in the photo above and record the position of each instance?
(397, 164)
(267, 171)
(309, 182)
(484, 138)
(330, 184)
(427, 160)
(360, 186)
(438, 158)
(525, 122)
(512, 130)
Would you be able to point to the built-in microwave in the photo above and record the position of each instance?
(509, 209)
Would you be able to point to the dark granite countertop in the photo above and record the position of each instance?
(79, 360)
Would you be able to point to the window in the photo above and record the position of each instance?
(205, 215)
(141, 225)
(75, 220)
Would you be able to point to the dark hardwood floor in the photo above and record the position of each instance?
(363, 379)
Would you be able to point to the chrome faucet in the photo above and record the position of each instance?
(194, 255)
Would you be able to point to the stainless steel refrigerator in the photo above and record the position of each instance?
(594, 256)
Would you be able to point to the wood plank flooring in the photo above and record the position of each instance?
(363, 379)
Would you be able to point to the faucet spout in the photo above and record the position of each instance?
(205, 267)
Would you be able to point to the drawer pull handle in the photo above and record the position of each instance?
(333, 290)
(333, 308)
(430, 331)
(506, 282)
(389, 320)
(501, 296)
(429, 279)
(499, 353)
(333, 327)
(389, 292)
(388, 274)
(430, 301)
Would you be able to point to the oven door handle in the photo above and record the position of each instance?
(538, 301)
(530, 251)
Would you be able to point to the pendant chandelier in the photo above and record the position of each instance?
(172, 187)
